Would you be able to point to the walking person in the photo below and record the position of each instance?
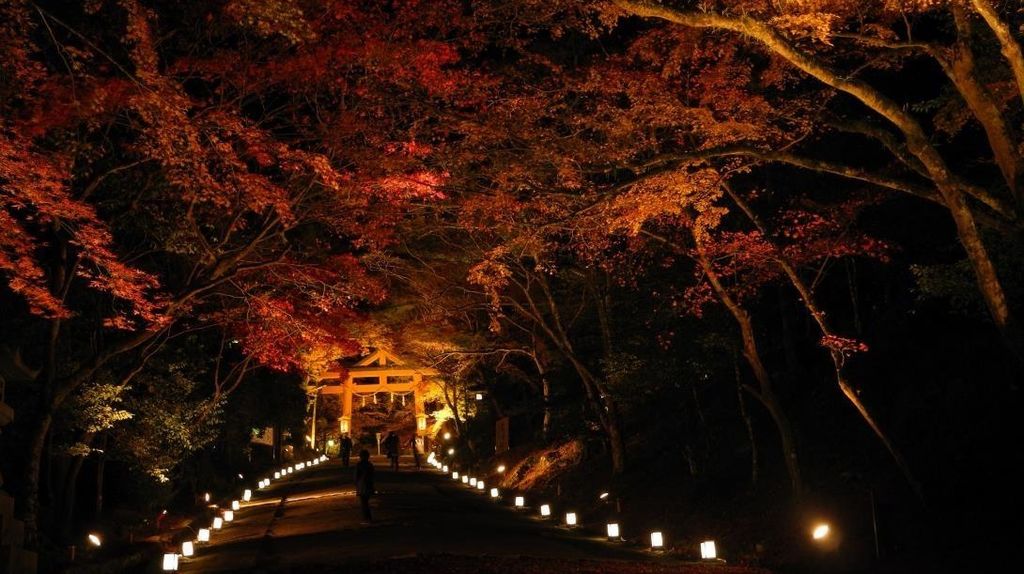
(346, 450)
(364, 484)
(415, 444)
(391, 449)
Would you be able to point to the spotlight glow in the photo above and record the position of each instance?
(95, 540)
(821, 531)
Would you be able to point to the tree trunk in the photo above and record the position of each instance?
(837, 356)
(748, 423)
(765, 393)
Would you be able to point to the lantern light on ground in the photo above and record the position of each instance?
(472, 482)
(235, 505)
(204, 535)
(218, 523)
(495, 493)
(520, 502)
(229, 515)
(570, 519)
(94, 539)
(480, 485)
(455, 475)
(277, 475)
(545, 510)
(708, 550)
(291, 469)
(613, 530)
(323, 457)
(465, 479)
(657, 540)
(821, 531)
(479, 396)
(444, 468)
(170, 562)
(187, 548)
(247, 495)
(501, 468)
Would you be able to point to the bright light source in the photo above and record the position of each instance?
(330, 442)
(613, 530)
(235, 505)
(247, 495)
(480, 485)
(444, 468)
(291, 469)
(206, 497)
(455, 475)
(95, 540)
(520, 502)
(323, 457)
(229, 515)
(657, 540)
(170, 562)
(465, 479)
(451, 451)
(472, 482)
(603, 495)
(708, 550)
(821, 531)
(277, 475)
(218, 523)
(495, 493)
(479, 396)
(545, 510)
(204, 535)
(187, 548)
(501, 468)
(240, 476)
(570, 519)
(447, 436)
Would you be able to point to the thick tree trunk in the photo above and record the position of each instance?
(749, 425)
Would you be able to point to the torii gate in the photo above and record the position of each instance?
(373, 374)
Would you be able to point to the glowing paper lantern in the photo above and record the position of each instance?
(170, 562)
(204, 535)
(247, 495)
(613, 530)
(472, 482)
(455, 475)
(570, 519)
(708, 550)
(495, 493)
(520, 502)
(480, 485)
(235, 505)
(821, 531)
(444, 468)
(277, 475)
(657, 540)
(218, 523)
(545, 510)
(187, 548)
(229, 515)
(465, 479)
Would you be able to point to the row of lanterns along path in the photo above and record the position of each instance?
(708, 551)
(225, 516)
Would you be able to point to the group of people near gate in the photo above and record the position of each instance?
(364, 469)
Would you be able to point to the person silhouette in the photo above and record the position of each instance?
(364, 484)
(391, 447)
(346, 450)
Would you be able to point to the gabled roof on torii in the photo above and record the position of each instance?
(380, 363)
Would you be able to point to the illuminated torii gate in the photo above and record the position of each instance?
(379, 371)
